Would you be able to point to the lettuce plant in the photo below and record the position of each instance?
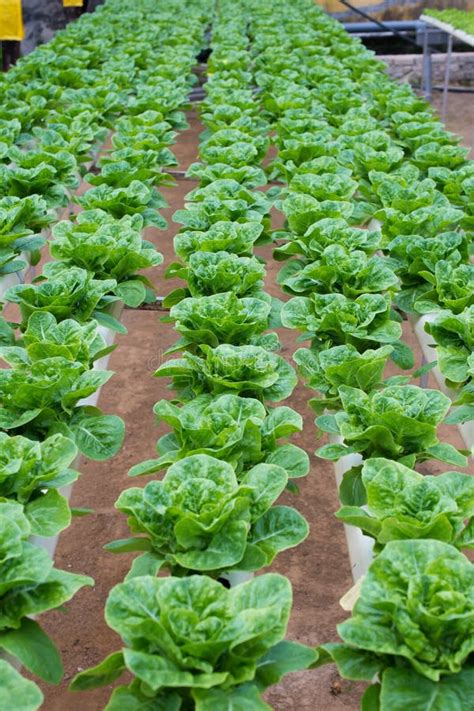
(21, 219)
(398, 422)
(433, 155)
(248, 208)
(16, 690)
(415, 258)
(450, 287)
(221, 318)
(45, 337)
(42, 173)
(377, 151)
(236, 429)
(189, 642)
(456, 183)
(339, 270)
(164, 100)
(26, 112)
(80, 134)
(239, 144)
(454, 338)
(41, 397)
(402, 504)
(412, 626)
(325, 233)
(416, 254)
(326, 186)
(302, 211)
(415, 133)
(199, 518)
(248, 371)
(30, 585)
(232, 195)
(128, 165)
(72, 293)
(296, 122)
(238, 154)
(425, 221)
(324, 166)
(9, 132)
(229, 237)
(141, 138)
(135, 199)
(31, 472)
(333, 319)
(208, 273)
(231, 190)
(326, 370)
(304, 148)
(404, 193)
(153, 122)
(109, 249)
(241, 98)
(249, 176)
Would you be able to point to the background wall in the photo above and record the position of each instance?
(43, 18)
(391, 9)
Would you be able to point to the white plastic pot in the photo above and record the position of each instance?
(360, 547)
(50, 543)
(374, 224)
(109, 336)
(466, 430)
(9, 280)
(236, 578)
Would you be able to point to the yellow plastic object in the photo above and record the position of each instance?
(73, 3)
(11, 20)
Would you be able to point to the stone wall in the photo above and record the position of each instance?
(43, 18)
(407, 67)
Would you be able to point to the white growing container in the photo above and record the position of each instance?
(360, 547)
(237, 577)
(466, 430)
(374, 224)
(50, 543)
(9, 280)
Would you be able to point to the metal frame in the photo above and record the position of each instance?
(449, 33)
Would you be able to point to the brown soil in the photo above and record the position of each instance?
(318, 569)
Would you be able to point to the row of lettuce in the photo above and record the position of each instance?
(351, 147)
(338, 131)
(455, 17)
(356, 149)
(123, 69)
(196, 638)
(228, 374)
